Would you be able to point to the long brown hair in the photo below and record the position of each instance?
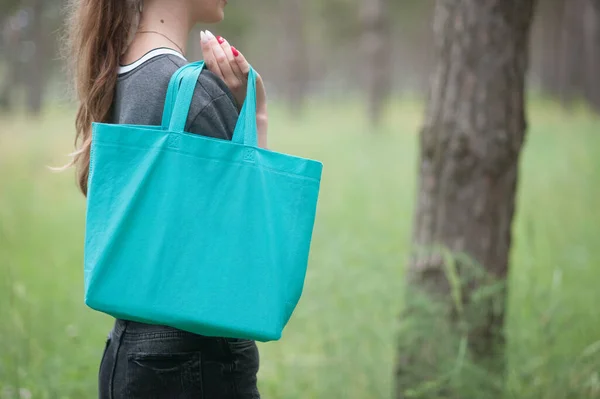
(98, 34)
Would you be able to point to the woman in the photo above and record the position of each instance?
(124, 53)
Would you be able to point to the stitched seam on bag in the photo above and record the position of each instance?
(159, 130)
(258, 166)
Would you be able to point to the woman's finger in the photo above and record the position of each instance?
(241, 60)
(209, 57)
(230, 57)
(228, 75)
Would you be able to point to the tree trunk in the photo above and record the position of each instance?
(376, 42)
(37, 70)
(551, 20)
(11, 78)
(295, 54)
(572, 71)
(470, 145)
(591, 25)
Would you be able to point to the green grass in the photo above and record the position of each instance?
(340, 342)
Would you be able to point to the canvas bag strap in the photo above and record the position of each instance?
(245, 131)
(173, 89)
(184, 96)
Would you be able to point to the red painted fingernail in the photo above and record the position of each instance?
(234, 51)
(220, 39)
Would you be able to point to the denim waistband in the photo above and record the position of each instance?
(135, 330)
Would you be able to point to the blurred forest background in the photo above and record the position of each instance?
(320, 48)
(437, 122)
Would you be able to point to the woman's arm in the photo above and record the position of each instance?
(262, 124)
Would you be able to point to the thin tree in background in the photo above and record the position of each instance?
(591, 25)
(11, 33)
(296, 54)
(571, 51)
(550, 16)
(376, 43)
(471, 141)
(572, 57)
(36, 84)
(10, 76)
(25, 41)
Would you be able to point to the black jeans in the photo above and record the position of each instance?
(157, 362)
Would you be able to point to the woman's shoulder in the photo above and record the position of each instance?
(158, 71)
(142, 86)
(209, 85)
(213, 111)
(214, 85)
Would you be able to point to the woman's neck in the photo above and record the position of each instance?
(172, 23)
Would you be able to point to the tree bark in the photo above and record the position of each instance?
(551, 20)
(37, 70)
(376, 42)
(8, 77)
(572, 60)
(591, 25)
(471, 140)
(295, 54)
(12, 76)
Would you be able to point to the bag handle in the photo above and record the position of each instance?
(172, 91)
(245, 130)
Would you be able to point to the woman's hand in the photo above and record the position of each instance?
(231, 66)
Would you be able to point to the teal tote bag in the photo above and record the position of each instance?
(205, 235)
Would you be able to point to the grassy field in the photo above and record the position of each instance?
(340, 342)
